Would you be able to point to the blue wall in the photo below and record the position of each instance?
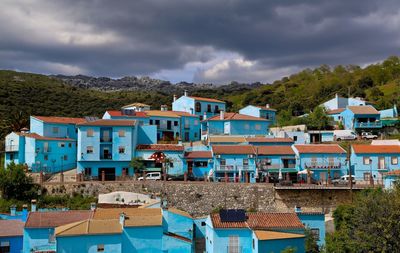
(15, 243)
(178, 224)
(314, 221)
(142, 239)
(187, 104)
(36, 237)
(88, 243)
(234, 163)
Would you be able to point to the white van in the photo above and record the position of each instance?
(339, 135)
(152, 176)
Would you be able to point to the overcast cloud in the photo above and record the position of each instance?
(192, 40)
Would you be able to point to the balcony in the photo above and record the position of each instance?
(233, 168)
(276, 167)
(11, 148)
(105, 139)
(376, 124)
(106, 157)
(323, 166)
(187, 126)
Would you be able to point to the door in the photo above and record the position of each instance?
(109, 174)
(106, 153)
(169, 125)
(186, 136)
(227, 128)
(190, 168)
(381, 163)
(322, 176)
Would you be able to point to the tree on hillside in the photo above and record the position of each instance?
(370, 224)
(318, 119)
(14, 123)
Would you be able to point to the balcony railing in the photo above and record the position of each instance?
(105, 139)
(187, 126)
(328, 165)
(233, 167)
(106, 157)
(234, 249)
(277, 166)
(11, 148)
(376, 124)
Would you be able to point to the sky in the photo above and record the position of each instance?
(202, 41)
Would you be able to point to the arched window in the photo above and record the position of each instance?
(198, 107)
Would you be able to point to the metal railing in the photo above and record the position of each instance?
(376, 124)
(11, 148)
(277, 166)
(234, 249)
(105, 139)
(106, 157)
(327, 165)
(233, 167)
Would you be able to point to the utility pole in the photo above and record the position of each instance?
(350, 176)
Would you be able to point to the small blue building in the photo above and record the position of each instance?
(198, 163)
(230, 123)
(11, 239)
(265, 112)
(375, 161)
(361, 118)
(202, 107)
(237, 231)
(235, 163)
(322, 160)
(315, 222)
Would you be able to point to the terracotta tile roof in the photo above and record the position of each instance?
(55, 219)
(222, 139)
(11, 228)
(109, 122)
(156, 113)
(180, 212)
(90, 227)
(393, 173)
(367, 109)
(39, 137)
(134, 217)
(320, 149)
(60, 120)
(274, 150)
(376, 149)
(160, 147)
(233, 149)
(261, 221)
(136, 105)
(207, 99)
(335, 111)
(273, 235)
(266, 139)
(198, 154)
(186, 114)
(119, 114)
(235, 116)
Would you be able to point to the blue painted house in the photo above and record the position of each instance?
(236, 231)
(106, 147)
(235, 163)
(11, 239)
(265, 112)
(230, 123)
(175, 154)
(198, 163)
(315, 222)
(322, 160)
(361, 118)
(202, 107)
(341, 102)
(374, 161)
(40, 226)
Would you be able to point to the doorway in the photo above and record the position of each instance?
(109, 174)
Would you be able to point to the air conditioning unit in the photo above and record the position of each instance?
(217, 156)
(210, 160)
(251, 156)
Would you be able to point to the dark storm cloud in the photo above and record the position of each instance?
(251, 40)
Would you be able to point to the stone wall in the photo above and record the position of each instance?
(200, 198)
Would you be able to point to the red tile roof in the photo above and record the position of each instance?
(11, 228)
(376, 149)
(233, 149)
(320, 149)
(119, 114)
(274, 150)
(336, 111)
(367, 109)
(39, 137)
(393, 173)
(55, 219)
(60, 120)
(269, 140)
(261, 221)
(207, 99)
(160, 147)
(186, 114)
(198, 154)
(109, 122)
(235, 116)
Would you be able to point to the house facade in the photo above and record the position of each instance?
(265, 112)
(361, 118)
(11, 236)
(198, 163)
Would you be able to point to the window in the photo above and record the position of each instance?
(65, 157)
(121, 150)
(366, 160)
(233, 244)
(203, 223)
(196, 122)
(55, 130)
(70, 145)
(200, 164)
(208, 108)
(246, 126)
(89, 149)
(157, 122)
(223, 162)
(245, 162)
(294, 138)
(89, 133)
(267, 116)
(313, 161)
(395, 160)
(11, 156)
(88, 171)
(175, 123)
(61, 144)
(151, 122)
(100, 247)
(258, 127)
(254, 244)
(315, 233)
(197, 107)
(5, 246)
(195, 135)
(216, 109)
(46, 157)
(121, 133)
(367, 176)
(171, 165)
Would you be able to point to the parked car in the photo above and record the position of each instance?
(339, 135)
(152, 176)
(368, 136)
(344, 180)
(181, 178)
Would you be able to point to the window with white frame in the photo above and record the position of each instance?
(89, 149)
(395, 160)
(366, 160)
(61, 144)
(223, 162)
(258, 127)
(5, 246)
(121, 150)
(233, 244)
(121, 133)
(367, 176)
(245, 162)
(100, 247)
(89, 132)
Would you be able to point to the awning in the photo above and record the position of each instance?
(153, 169)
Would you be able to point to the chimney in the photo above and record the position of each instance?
(122, 219)
(205, 116)
(221, 115)
(174, 97)
(24, 212)
(267, 106)
(13, 210)
(297, 209)
(164, 108)
(33, 205)
(185, 93)
(93, 206)
(24, 130)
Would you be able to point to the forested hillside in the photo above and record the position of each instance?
(23, 94)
